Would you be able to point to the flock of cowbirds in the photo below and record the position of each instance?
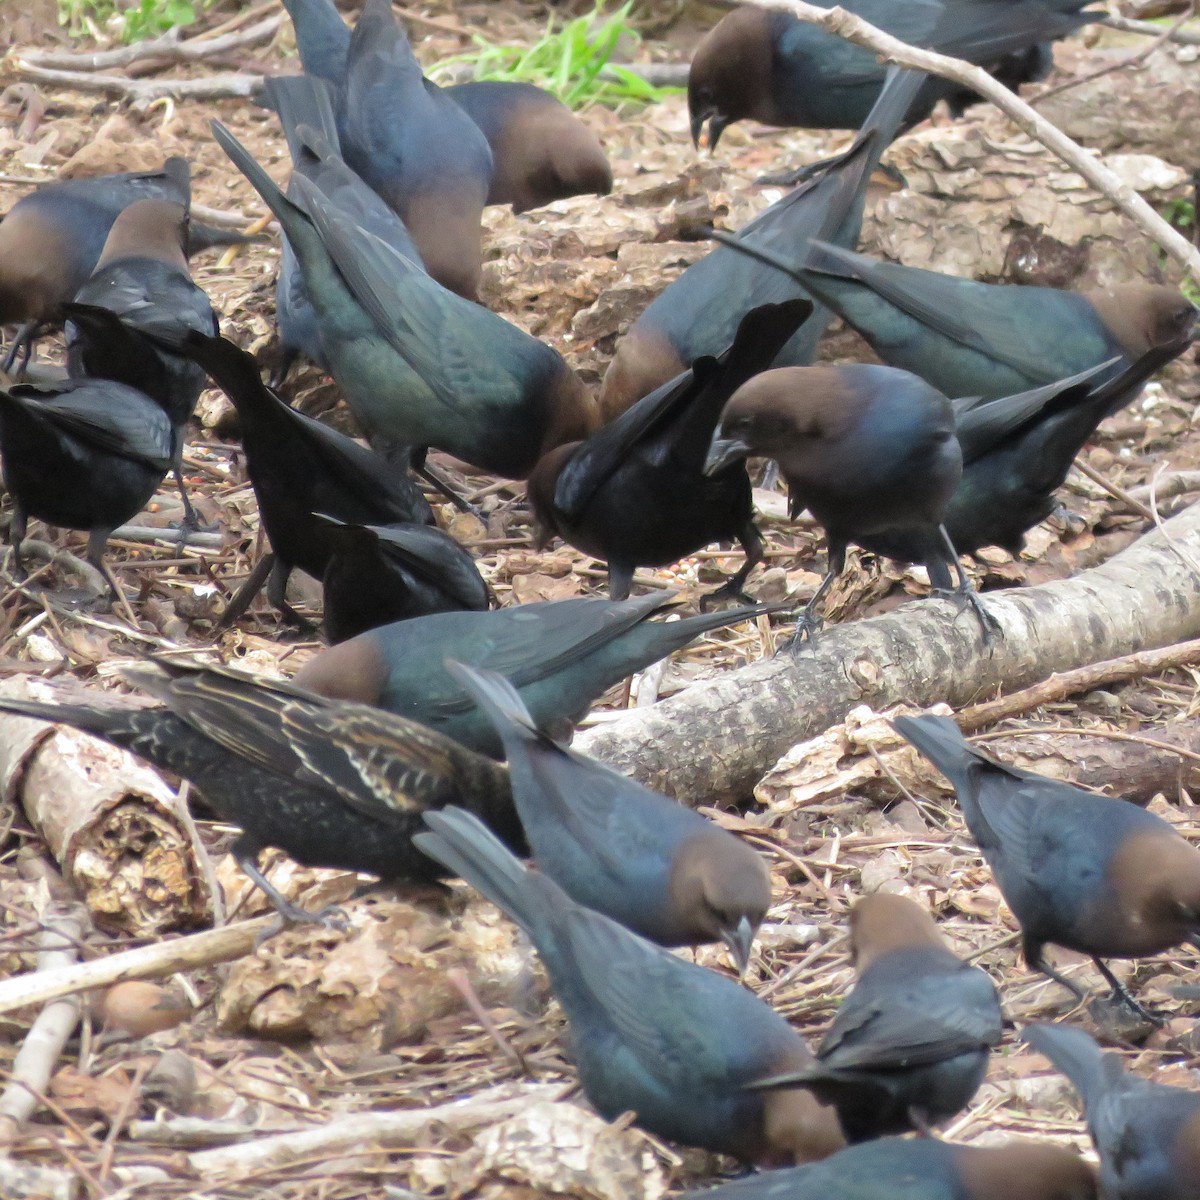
(382, 754)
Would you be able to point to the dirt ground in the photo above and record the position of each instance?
(316, 1026)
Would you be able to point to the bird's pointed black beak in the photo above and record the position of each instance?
(739, 940)
(722, 452)
(716, 126)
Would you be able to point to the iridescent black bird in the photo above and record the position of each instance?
(83, 454)
(560, 655)
(910, 1044)
(330, 784)
(635, 493)
(378, 574)
(1146, 1134)
(649, 863)
(699, 312)
(650, 1033)
(1096, 875)
(142, 277)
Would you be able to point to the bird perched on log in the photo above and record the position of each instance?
(635, 492)
(540, 150)
(698, 313)
(83, 454)
(649, 863)
(924, 1169)
(378, 574)
(769, 66)
(561, 655)
(304, 105)
(650, 1033)
(994, 339)
(865, 449)
(51, 240)
(300, 467)
(909, 1046)
(1087, 872)
(403, 135)
(420, 366)
(142, 277)
(1146, 1134)
(289, 769)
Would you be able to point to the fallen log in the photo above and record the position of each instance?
(716, 739)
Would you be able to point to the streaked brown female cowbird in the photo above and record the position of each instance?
(420, 366)
(650, 863)
(50, 241)
(770, 66)
(142, 276)
(699, 312)
(1093, 874)
(330, 784)
(650, 1033)
(378, 574)
(1147, 1134)
(865, 449)
(300, 467)
(560, 655)
(83, 454)
(635, 493)
(924, 1169)
(909, 1046)
(405, 136)
(989, 340)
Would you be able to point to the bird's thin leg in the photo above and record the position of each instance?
(752, 544)
(1124, 995)
(22, 344)
(277, 583)
(1194, 939)
(244, 596)
(435, 480)
(810, 622)
(331, 917)
(16, 533)
(620, 580)
(966, 594)
(921, 1123)
(1033, 956)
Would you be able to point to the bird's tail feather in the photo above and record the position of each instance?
(941, 741)
(302, 100)
(1075, 1055)
(463, 844)
(499, 699)
(98, 721)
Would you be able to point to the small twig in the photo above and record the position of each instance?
(1185, 37)
(123, 1113)
(1117, 492)
(1111, 735)
(1092, 169)
(1131, 60)
(142, 90)
(1073, 683)
(1176, 483)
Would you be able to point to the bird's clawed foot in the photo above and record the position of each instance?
(331, 917)
(807, 627)
(732, 590)
(968, 597)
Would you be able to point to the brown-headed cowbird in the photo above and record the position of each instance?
(402, 134)
(50, 241)
(924, 1169)
(648, 862)
(83, 454)
(865, 449)
(292, 770)
(561, 655)
(142, 276)
(300, 467)
(1147, 1134)
(994, 339)
(1093, 874)
(540, 150)
(418, 365)
(769, 66)
(673, 1042)
(909, 1046)
(304, 105)
(378, 574)
(699, 312)
(635, 492)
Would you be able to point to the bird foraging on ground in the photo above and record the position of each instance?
(648, 862)
(650, 1033)
(865, 449)
(1147, 1134)
(1087, 872)
(330, 784)
(910, 1044)
(561, 655)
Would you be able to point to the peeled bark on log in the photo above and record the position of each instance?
(118, 833)
(715, 740)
